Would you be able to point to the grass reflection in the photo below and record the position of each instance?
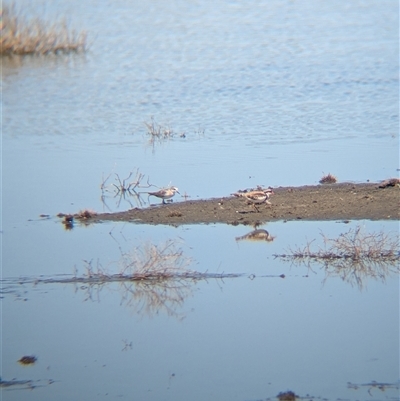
(151, 279)
(354, 256)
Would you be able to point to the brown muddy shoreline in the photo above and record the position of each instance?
(346, 201)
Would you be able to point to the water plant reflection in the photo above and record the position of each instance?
(125, 189)
(354, 256)
(151, 279)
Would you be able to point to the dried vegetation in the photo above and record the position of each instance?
(125, 189)
(22, 36)
(328, 179)
(151, 279)
(354, 256)
(160, 132)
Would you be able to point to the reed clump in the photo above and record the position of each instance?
(27, 360)
(22, 36)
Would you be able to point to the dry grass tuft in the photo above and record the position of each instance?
(353, 245)
(354, 256)
(158, 262)
(328, 179)
(21, 36)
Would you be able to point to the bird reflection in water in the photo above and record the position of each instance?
(257, 235)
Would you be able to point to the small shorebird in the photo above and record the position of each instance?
(257, 197)
(165, 193)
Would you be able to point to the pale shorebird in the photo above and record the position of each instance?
(165, 193)
(257, 197)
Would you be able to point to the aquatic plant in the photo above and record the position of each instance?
(22, 36)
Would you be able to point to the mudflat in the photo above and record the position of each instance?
(345, 201)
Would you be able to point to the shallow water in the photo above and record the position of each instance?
(238, 338)
(267, 94)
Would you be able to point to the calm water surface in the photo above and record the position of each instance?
(241, 338)
(271, 93)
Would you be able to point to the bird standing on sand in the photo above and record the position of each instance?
(165, 193)
(257, 197)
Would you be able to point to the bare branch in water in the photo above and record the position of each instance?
(159, 133)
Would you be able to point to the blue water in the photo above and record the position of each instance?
(243, 338)
(271, 93)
